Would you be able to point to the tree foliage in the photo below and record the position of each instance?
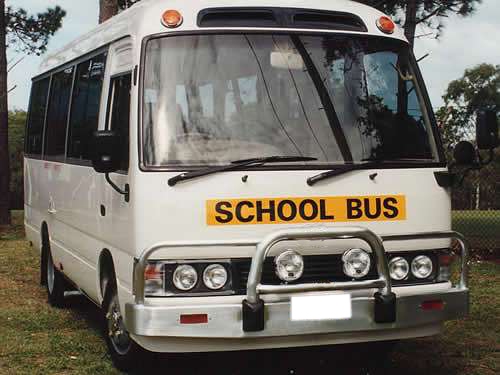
(479, 88)
(31, 33)
(17, 121)
(124, 4)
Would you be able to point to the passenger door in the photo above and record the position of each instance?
(116, 214)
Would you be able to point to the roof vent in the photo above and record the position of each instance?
(273, 17)
(310, 19)
(237, 17)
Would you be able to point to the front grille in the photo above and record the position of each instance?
(317, 269)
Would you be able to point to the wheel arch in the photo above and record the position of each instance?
(107, 273)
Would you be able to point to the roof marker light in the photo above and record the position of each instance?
(171, 19)
(386, 25)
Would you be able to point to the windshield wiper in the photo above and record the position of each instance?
(236, 165)
(341, 170)
(367, 164)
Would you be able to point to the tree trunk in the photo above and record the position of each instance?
(411, 21)
(4, 126)
(107, 9)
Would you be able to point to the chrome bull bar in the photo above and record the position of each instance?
(253, 307)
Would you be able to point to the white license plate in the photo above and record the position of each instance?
(329, 307)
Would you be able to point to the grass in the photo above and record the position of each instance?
(37, 339)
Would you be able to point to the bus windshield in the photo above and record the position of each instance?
(343, 99)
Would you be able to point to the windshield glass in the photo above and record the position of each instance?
(213, 99)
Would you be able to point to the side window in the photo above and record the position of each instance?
(36, 120)
(119, 113)
(85, 106)
(57, 116)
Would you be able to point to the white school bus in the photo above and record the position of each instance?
(227, 175)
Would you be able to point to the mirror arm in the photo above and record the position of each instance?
(125, 192)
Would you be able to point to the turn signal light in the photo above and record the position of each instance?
(386, 25)
(171, 19)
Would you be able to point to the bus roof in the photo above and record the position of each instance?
(143, 19)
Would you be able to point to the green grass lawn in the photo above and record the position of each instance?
(37, 339)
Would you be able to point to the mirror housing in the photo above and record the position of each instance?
(106, 151)
(464, 153)
(487, 130)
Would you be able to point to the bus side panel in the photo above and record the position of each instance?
(36, 199)
(75, 230)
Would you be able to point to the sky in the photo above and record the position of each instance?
(465, 43)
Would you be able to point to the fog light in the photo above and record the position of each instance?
(289, 266)
(357, 263)
(185, 277)
(399, 268)
(215, 276)
(421, 267)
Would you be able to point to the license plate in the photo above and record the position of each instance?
(329, 307)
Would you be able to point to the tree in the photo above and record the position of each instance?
(428, 13)
(479, 88)
(17, 121)
(28, 34)
(109, 8)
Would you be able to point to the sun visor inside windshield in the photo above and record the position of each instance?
(280, 18)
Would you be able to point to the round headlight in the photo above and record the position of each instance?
(357, 263)
(185, 277)
(215, 276)
(289, 265)
(399, 268)
(421, 267)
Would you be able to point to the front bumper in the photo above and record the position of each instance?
(225, 320)
(264, 313)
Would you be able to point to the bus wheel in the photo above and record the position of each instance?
(54, 283)
(125, 353)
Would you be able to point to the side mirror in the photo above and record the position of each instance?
(464, 153)
(487, 130)
(106, 151)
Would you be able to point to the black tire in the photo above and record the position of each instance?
(54, 282)
(43, 262)
(125, 353)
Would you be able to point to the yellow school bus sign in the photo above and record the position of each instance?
(306, 210)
